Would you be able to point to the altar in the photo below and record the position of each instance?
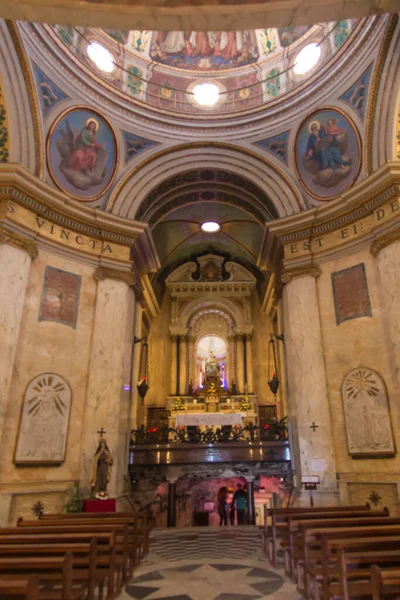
(209, 420)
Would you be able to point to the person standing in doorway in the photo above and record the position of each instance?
(223, 505)
(240, 501)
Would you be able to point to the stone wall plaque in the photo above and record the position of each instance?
(367, 415)
(60, 297)
(350, 294)
(43, 429)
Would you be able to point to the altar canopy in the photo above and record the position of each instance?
(207, 419)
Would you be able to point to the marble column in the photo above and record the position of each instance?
(16, 256)
(249, 355)
(307, 384)
(183, 382)
(171, 522)
(239, 364)
(135, 399)
(173, 365)
(387, 252)
(251, 513)
(114, 301)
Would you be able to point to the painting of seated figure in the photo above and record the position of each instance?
(327, 153)
(367, 415)
(82, 153)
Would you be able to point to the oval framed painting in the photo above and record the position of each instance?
(327, 153)
(82, 153)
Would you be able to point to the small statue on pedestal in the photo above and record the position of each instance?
(190, 388)
(101, 471)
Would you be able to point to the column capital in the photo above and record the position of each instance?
(102, 273)
(13, 239)
(305, 271)
(384, 241)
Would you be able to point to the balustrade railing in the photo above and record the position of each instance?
(274, 431)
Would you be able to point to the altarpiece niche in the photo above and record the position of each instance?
(367, 415)
(43, 429)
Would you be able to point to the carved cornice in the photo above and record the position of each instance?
(102, 273)
(32, 96)
(374, 89)
(307, 271)
(19, 242)
(344, 219)
(9, 193)
(384, 241)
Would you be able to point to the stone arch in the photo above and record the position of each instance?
(223, 304)
(132, 190)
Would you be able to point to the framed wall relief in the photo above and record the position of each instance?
(367, 415)
(327, 153)
(82, 153)
(60, 297)
(43, 429)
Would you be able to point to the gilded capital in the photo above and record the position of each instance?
(384, 241)
(308, 271)
(20, 242)
(102, 273)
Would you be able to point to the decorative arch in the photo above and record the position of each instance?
(223, 304)
(138, 183)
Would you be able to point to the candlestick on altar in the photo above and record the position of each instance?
(245, 388)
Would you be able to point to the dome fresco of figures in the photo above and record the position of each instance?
(235, 70)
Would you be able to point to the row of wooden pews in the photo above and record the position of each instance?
(341, 552)
(79, 556)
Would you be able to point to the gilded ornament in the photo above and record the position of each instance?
(102, 273)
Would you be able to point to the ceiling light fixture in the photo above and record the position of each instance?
(210, 227)
(206, 94)
(102, 58)
(306, 59)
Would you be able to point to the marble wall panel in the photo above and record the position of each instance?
(46, 346)
(60, 297)
(361, 342)
(378, 494)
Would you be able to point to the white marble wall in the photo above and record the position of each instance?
(388, 262)
(114, 302)
(307, 382)
(14, 272)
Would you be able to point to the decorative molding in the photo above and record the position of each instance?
(62, 220)
(32, 96)
(19, 242)
(135, 144)
(308, 271)
(384, 241)
(50, 94)
(103, 273)
(373, 99)
(277, 145)
(4, 128)
(345, 219)
(357, 94)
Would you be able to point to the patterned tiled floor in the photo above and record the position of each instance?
(208, 564)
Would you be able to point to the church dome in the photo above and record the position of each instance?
(207, 72)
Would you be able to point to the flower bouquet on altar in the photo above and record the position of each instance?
(102, 496)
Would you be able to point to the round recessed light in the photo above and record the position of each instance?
(306, 59)
(206, 94)
(210, 227)
(102, 58)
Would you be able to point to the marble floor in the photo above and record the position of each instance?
(208, 564)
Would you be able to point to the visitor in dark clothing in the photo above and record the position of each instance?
(240, 501)
(232, 515)
(223, 505)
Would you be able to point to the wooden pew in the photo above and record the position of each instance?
(319, 586)
(22, 587)
(384, 583)
(109, 561)
(125, 541)
(355, 577)
(89, 566)
(53, 572)
(139, 519)
(294, 544)
(137, 542)
(279, 525)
